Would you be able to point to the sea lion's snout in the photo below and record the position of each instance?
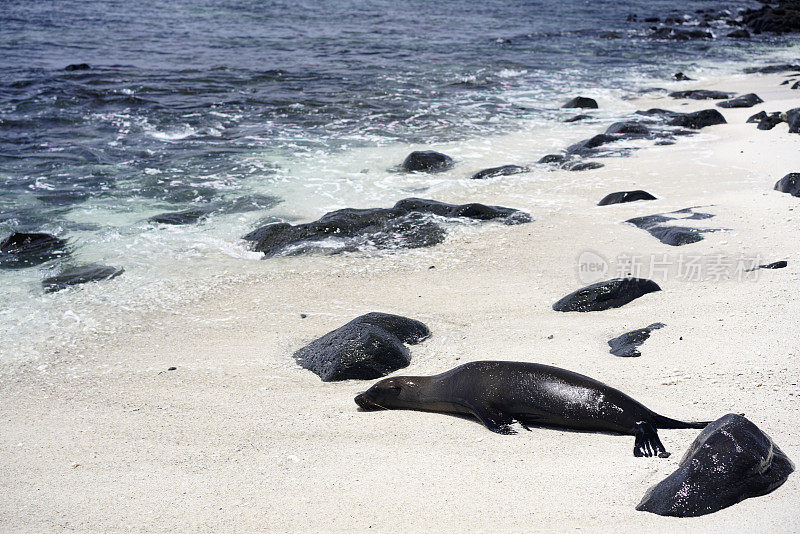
(365, 403)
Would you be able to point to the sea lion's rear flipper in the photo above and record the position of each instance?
(493, 419)
(647, 442)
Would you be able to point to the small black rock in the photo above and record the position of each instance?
(576, 166)
(581, 102)
(627, 345)
(505, 170)
(701, 94)
(82, 274)
(681, 77)
(77, 66)
(180, 217)
(605, 295)
(577, 118)
(171, 368)
(789, 184)
(427, 161)
(625, 196)
(553, 158)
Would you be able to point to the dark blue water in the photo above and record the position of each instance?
(189, 88)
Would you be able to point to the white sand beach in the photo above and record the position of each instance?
(99, 436)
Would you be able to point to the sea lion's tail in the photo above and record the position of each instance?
(659, 421)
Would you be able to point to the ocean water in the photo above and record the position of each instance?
(267, 111)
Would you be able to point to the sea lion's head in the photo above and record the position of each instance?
(390, 393)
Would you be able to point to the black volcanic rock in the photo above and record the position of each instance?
(730, 461)
(28, 249)
(701, 94)
(427, 161)
(408, 224)
(77, 66)
(577, 118)
(581, 102)
(505, 170)
(675, 236)
(775, 265)
(789, 184)
(745, 101)
(80, 275)
(576, 166)
(698, 119)
(680, 34)
(553, 158)
(782, 18)
(627, 345)
(625, 196)
(741, 33)
(628, 128)
(368, 347)
(793, 118)
(681, 77)
(766, 121)
(605, 295)
(769, 69)
(180, 217)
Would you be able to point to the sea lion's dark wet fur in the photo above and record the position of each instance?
(499, 393)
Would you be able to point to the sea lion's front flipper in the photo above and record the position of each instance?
(647, 442)
(493, 419)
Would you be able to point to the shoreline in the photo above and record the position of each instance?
(239, 437)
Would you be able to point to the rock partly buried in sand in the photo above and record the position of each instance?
(410, 223)
(775, 265)
(605, 295)
(427, 161)
(25, 250)
(680, 34)
(581, 102)
(180, 217)
(627, 345)
(730, 461)
(553, 158)
(789, 184)
(368, 347)
(793, 118)
(745, 101)
(696, 120)
(766, 121)
(701, 94)
(582, 165)
(621, 197)
(80, 275)
(673, 235)
(505, 170)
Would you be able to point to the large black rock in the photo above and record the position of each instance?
(581, 102)
(789, 184)
(786, 67)
(730, 461)
(427, 161)
(781, 18)
(696, 120)
(673, 235)
(25, 250)
(368, 347)
(701, 94)
(408, 224)
(680, 34)
(505, 170)
(80, 275)
(625, 196)
(745, 101)
(605, 295)
(627, 345)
